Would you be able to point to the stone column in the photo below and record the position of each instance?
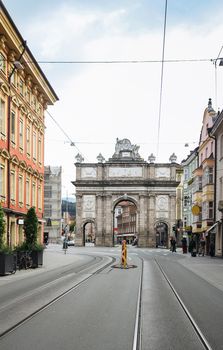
(151, 221)
(99, 220)
(172, 215)
(142, 233)
(108, 242)
(79, 239)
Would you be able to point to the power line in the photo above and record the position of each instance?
(124, 61)
(72, 143)
(161, 78)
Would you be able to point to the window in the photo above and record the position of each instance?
(34, 145)
(13, 77)
(197, 184)
(13, 122)
(2, 181)
(210, 210)
(12, 185)
(48, 210)
(21, 190)
(208, 176)
(21, 133)
(28, 140)
(39, 198)
(28, 96)
(34, 103)
(21, 87)
(2, 63)
(34, 194)
(221, 146)
(27, 192)
(40, 150)
(2, 116)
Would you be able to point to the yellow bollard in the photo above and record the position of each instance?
(124, 254)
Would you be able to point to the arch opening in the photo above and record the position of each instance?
(161, 229)
(89, 234)
(125, 222)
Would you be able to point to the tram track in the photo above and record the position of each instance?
(195, 326)
(87, 276)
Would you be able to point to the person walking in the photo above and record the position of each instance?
(202, 247)
(173, 245)
(184, 245)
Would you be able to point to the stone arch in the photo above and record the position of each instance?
(130, 236)
(162, 230)
(85, 233)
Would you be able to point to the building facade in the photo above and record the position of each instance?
(100, 187)
(24, 96)
(217, 133)
(189, 165)
(203, 182)
(52, 203)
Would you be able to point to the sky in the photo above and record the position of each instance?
(99, 102)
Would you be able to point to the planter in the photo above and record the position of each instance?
(37, 257)
(7, 263)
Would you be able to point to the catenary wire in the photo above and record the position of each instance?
(72, 143)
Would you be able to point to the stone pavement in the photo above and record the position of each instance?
(51, 259)
(211, 269)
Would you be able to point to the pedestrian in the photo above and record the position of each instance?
(192, 247)
(202, 247)
(173, 245)
(184, 245)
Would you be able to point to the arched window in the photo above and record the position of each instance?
(221, 146)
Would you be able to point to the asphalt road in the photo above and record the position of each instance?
(100, 313)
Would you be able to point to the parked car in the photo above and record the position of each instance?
(70, 243)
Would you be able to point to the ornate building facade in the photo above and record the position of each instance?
(150, 186)
(24, 95)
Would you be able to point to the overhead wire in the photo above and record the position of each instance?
(72, 143)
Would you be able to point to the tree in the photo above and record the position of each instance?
(31, 228)
(2, 228)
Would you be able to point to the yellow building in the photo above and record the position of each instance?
(25, 94)
(203, 184)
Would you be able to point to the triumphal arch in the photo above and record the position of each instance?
(150, 186)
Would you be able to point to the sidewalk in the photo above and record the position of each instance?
(210, 269)
(51, 259)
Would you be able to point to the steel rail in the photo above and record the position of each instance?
(44, 286)
(186, 311)
(54, 300)
(137, 331)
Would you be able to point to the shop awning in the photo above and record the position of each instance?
(211, 228)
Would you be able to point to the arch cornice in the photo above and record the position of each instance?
(4, 88)
(125, 197)
(4, 153)
(15, 160)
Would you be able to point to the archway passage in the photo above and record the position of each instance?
(89, 234)
(125, 222)
(161, 234)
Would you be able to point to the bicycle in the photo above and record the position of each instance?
(25, 261)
